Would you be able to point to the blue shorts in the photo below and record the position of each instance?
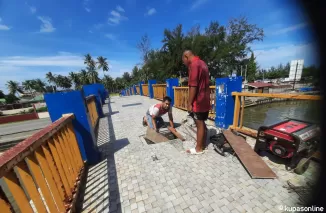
(159, 121)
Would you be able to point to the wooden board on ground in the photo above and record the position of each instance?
(253, 163)
(154, 136)
(177, 134)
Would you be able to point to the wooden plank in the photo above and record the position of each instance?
(4, 205)
(53, 181)
(28, 184)
(246, 131)
(58, 166)
(242, 111)
(177, 134)
(279, 95)
(39, 179)
(63, 162)
(154, 136)
(68, 154)
(253, 163)
(71, 144)
(74, 141)
(15, 193)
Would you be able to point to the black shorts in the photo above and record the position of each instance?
(200, 116)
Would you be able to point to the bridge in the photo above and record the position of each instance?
(92, 158)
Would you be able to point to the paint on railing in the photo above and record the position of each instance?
(145, 89)
(42, 173)
(181, 95)
(92, 111)
(138, 90)
(239, 107)
(159, 91)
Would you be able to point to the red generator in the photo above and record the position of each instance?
(292, 139)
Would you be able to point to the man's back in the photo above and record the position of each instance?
(199, 77)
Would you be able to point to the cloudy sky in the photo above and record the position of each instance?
(40, 36)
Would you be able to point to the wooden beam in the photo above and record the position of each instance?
(279, 95)
(236, 111)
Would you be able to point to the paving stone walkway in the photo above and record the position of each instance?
(129, 180)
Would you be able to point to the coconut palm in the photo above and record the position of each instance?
(83, 76)
(74, 77)
(51, 79)
(63, 82)
(12, 86)
(39, 85)
(93, 76)
(102, 64)
(28, 85)
(91, 64)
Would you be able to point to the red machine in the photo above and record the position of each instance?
(295, 140)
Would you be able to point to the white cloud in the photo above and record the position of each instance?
(150, 11)
(197, 3)
(120, 9)
(86, 7)
(116, 18)
(32, 9)
(290, 28)
(110, 36)
(286, 53)
(46, 26)
(3, 26)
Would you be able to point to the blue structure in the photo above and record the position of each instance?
(135, 90)
(224, 101)
(94, 89)
(141, 88)
(170, 83)
(150, 88)
(74, 102)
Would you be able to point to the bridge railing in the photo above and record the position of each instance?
(181, 95)
(91, 106)
(138, 90)
(145, 89)
(239, 107)
(42, 173)
(159, 91)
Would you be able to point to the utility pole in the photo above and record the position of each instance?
(295, 75)
(241, 69)
(246, 74)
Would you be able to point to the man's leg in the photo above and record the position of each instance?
(149, 121)
(159, 122)
(200, 124)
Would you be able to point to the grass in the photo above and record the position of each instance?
(114, 94)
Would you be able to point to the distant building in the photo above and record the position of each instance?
(258, 87)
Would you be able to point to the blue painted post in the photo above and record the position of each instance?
(93, 89)
(141, 88)
(150, 88)
(74, 102)
(224, 101)
(135, 90)
(170, 83)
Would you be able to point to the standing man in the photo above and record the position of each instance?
(153, 117)
(199, 97)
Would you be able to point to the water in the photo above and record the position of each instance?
(270, 113)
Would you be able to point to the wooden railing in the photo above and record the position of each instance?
(159, 91)
(239, 107)
(92, 111)
(181, 95)
(145, 89)
(42, 173)
(138, 90)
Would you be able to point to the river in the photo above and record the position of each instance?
(265, 114)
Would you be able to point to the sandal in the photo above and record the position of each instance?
(194, 152)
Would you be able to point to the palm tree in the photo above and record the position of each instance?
(102, 64)
(90, 63)
(74, 77)
(83, 76)
(39, 85)
(13, 87)
(28, 85)
(51, 79)
(93, 75)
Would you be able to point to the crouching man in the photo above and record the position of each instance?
(153, 117)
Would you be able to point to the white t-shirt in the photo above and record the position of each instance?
(155, 111)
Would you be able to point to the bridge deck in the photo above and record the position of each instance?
(129, 180)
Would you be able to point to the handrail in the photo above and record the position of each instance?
(145, 89)
(92, 110)
(239, 107)
(159, 91)
(42, 173)
(157, 85)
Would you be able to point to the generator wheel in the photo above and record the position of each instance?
(302, 166)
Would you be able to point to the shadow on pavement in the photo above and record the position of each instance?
(128, 105)
(102, 191)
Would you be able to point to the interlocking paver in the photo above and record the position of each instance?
(129, 178)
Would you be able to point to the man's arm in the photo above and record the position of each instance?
(154, 121)
(193, 83)
(171, 118)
